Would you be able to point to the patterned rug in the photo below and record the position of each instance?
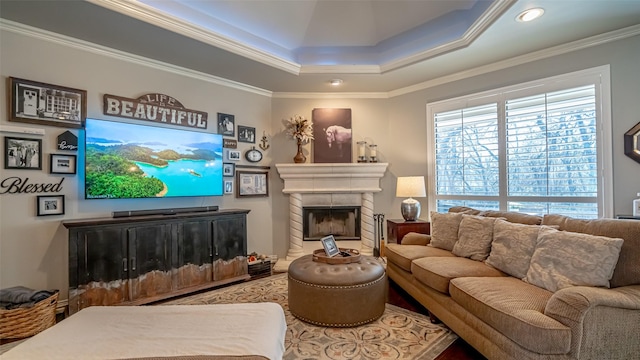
(397, 334)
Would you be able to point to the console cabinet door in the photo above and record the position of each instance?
(229, 242)
(193, 254)
(149, 260)
(102, 268)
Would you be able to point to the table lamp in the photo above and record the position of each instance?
(410, 186)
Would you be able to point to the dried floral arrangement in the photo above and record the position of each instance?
(299, 128)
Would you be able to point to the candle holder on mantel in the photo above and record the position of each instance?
(373, 153)
(362, 156)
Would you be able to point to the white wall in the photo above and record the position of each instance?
(33, 250)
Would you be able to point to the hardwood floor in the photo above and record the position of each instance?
(459, 350)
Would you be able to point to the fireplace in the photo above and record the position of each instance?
(333, 186)
(343, 222)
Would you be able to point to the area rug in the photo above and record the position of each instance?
(397, 334)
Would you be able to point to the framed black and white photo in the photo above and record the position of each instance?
(50, 205)
(329, 245)
(228, 186)
(246, 134)
(62, 164)
(228, 169)
(233, 155)
(252, 183)
(226, 125)
(22, 153)
(39, 103)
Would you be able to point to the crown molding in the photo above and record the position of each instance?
(67, 41)
(523, 59)
(340, 69)
(480, 25)
(325, 95)
(143, 12)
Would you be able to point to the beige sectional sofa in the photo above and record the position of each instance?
(518, 286)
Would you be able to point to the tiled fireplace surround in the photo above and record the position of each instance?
(351, 184)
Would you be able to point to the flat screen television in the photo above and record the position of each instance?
(124, 161)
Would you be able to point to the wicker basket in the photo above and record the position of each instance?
(24, 322)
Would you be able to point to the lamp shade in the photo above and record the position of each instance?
(410, 186)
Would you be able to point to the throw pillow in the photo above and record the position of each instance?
(474, 237)
(512, 247)
(444, 229)
(563, 259)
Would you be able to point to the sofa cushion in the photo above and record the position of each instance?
(474, 237)
(512, 247)
(436, 272)
(510, 216)
(403, 255)
(444, 229)
(515, 309)
(627, 271)
(562, 259)
(465, 210)
(514, 217)
(414, 238)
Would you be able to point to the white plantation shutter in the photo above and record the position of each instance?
(467, 151)
(552, 149)
(532, 151)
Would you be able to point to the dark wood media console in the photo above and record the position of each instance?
(141, 259)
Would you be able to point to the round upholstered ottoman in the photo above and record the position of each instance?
(337, 295)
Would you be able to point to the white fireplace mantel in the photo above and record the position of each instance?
(335, 184)
(332, 178)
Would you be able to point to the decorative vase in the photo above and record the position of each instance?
(299, 158)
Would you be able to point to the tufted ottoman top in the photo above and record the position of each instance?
(319, 273)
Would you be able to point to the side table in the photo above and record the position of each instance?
(397, 229)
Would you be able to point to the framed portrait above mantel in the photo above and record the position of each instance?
(332, 136)
(45, 104)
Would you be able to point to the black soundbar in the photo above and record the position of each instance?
(119, 214)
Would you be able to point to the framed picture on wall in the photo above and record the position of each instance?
(252, 183)
(62, 164)
(50, 205)
(246, 134)
(46, 104)
(233, 155)
(228, 186)
(332, 135)
(22, 153)
(228, 169)
(226, 125)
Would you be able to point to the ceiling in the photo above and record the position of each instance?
(299, 46)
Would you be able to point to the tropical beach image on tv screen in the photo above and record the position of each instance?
(124, 160)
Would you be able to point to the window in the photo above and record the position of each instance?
(536, 148)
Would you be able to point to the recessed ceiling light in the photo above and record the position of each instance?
(530, 14)
(336, 82)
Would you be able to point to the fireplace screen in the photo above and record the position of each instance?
(343, 222)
